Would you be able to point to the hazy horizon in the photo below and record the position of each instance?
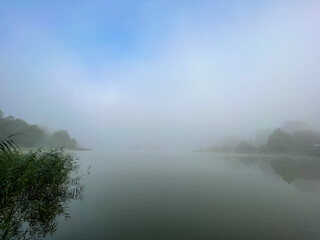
(160, 74)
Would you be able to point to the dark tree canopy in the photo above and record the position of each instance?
(62, 139)
(32, 135)
(298, 141)
(279, 141)
(28, 135)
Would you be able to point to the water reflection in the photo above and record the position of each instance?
(33, 213)
(195, 196)
(302, 172)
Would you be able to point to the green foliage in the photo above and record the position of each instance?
(62, 139)
(297, 142)
(33, 135)
(35, 187)
(298, 139)
(280, 141)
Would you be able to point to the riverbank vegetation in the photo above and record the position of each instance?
(33, 136)
(35, 188)
(293, 137)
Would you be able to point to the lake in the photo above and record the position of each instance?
(190, 195)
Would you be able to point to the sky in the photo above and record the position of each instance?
(159, 74)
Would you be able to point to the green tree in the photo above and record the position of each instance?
(280, 141)
(62, 138)
(31, 134)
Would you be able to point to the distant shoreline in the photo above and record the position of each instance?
(270, 154)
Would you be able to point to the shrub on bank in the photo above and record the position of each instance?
(35, 187)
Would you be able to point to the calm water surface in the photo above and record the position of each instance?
(150, 195)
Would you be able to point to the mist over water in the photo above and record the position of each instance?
(183, 195)
(163, 74)
(195, 119)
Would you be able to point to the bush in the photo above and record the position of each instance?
(280, 141)
(35, 187)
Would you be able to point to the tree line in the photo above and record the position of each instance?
(293, 137)
(27, 135)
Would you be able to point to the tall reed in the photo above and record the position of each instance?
(35, 188)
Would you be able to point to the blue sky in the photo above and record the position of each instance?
(196, 70)
(120, 29)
